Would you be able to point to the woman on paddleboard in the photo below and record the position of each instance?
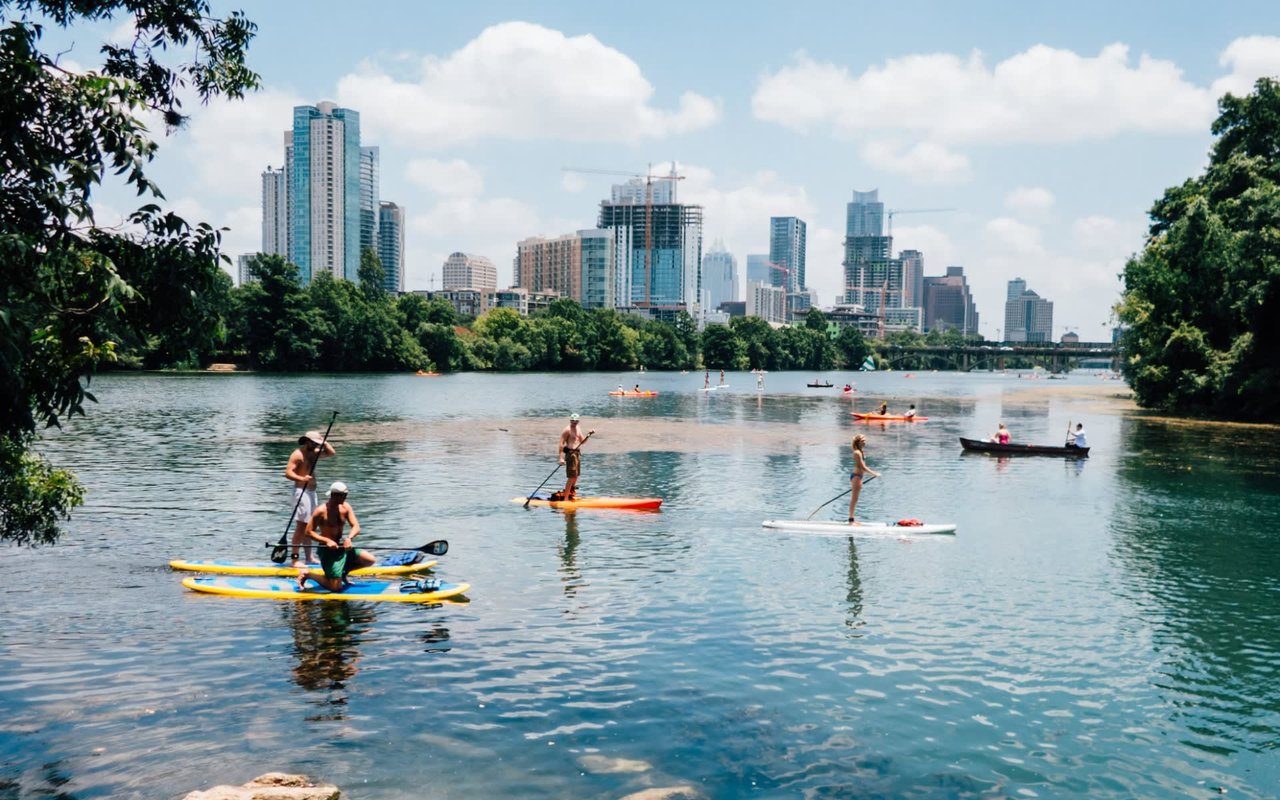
(860, 469)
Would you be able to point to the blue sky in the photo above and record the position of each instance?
(1048, 128)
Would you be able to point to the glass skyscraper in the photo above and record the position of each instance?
(787, 250)
(719, 276)
(324, 191)
(391, 246)
(369, 198)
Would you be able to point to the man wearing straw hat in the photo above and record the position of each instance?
(301, 472)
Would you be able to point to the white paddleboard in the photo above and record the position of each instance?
(834, 528)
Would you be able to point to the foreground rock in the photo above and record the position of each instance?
(272, 786)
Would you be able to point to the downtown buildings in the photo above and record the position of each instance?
(1028, 317)
(322, 209)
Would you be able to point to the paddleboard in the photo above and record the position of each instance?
(629, 503)
(286, 589)
(844, 528)
(886, 417)
(268, 568)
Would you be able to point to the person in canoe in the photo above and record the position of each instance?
(301, 472)
(911, 412)
(338, 553)
(637, 388)
(860, 469)
(1002, 435)
(571, 440)
(1077, 438)
(883, 409)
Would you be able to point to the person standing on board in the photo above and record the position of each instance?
(301, 471)
(1076, 438)
(338, 554)
(706, 379)
(860, 468)
(571, 440)
(722, 377)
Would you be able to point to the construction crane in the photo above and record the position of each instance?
(786, 273)
(913, 211)
(648, 178)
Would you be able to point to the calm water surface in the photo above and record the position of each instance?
(1107, 627)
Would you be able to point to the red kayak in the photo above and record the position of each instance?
(887, 417)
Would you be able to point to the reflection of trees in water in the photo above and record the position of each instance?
(854, 596)
(326, 636)
(1194, 535)
(54, 775)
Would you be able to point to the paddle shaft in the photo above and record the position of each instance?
(284, 537)
(865, 481)
(437, 548)
(528, 499)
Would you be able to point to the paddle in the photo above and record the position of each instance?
(281, 551)
(437, 548)
(529, 499)
(865, 481)
(1069, 439)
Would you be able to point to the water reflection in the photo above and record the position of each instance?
(326, 639)
(568, 552)
(853, 617)
(1195, 537)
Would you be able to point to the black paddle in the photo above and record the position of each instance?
(554, 471)
(281, 550)
(437, 548)
(865, 481)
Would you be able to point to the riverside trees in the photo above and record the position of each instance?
(70, 289)
(1201, 302)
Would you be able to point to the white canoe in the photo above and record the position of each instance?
(845, 528)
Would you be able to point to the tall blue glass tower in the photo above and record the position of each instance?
(324, 191)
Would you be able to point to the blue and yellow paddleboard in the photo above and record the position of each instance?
(286, 589)
(270, 569)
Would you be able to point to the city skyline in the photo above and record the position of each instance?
(1048, 131)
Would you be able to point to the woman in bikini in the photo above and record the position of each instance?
(860, 469)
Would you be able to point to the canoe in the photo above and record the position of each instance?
(286, 589)
(819, 385)
(978, 445)
(887, 417)
(629, 503)
(845, 529)
(270, 569)
(633, 394)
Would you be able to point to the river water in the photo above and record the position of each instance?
(1105, 627)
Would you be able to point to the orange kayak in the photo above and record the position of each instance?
(631, 503)
(616, 393)
(886, 417)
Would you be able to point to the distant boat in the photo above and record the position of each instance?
(868, 365)
(817, 385)
(1024, 449)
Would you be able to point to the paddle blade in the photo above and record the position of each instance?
(437, 548)
(279, 553)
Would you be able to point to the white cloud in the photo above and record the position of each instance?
(1108, 237)
(1029, 200)
(1017, 238)
(925, 162)
(1042, 94)
(453, 177)
(1249, 58)
(231, 142)
(518, 80)
(572, 182)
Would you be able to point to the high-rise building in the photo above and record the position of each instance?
(369, 199)
(657, 248)
(275, 213)
(467, 271)
(787, 252)
(242, 269)
(769, 303)
(391, 245)
(575, 265)
(324, 191)
(872, 278)
(948, 304)
(912, 277)
(758, 268)
(1028, 317)
(719, 276)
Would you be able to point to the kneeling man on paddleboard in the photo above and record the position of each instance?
(338, 554)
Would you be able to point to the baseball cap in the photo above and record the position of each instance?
(338, 487)
(573, 417)
(313, 436)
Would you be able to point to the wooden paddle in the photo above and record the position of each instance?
(865, 481)
(281, 551)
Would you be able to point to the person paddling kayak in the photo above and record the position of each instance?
(338, 554)
(301, 471)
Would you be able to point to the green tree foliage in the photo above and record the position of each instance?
(272, 321)
(852, 347)
(1201, 302)
(70, 290)
(722, 349)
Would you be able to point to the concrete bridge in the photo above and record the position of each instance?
(996, 355)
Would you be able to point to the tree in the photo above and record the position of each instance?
(1201, 302)
(722, 349)
(852, 347)
(69, 287)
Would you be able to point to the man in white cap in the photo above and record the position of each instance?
(338, 554)
(571, 440)
(301, 472)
